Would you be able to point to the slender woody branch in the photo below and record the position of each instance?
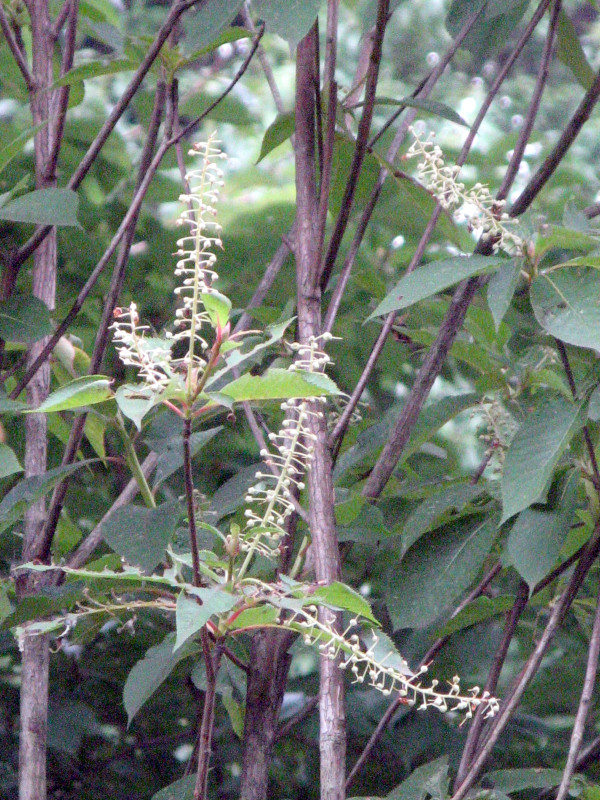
(132, 211)
(584, 705)
(16, 51)
(92, 153)
(515, 693)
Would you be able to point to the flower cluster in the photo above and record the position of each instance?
(483, 214)
(385, 669)
(499, 429)
(195, 267)
(149, 354)
(195, 250)
(289, 459)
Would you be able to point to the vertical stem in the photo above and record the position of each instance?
(268, 669)
(332, 734)
(515, 693)
(584, 705)
(474, 734)
(134, 466)
(207, 724)
(189, 496)
(34, 681)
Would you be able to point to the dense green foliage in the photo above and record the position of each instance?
(497, 476)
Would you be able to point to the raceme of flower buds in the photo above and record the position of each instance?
(483, 214)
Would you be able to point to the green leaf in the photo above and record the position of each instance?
(6, 607)
(553, 237)
(430, 780)
(183, 789)
(140, 535)
(437, 569)
(49, 600)
(434, 278)
(479, 610)
(170, 457)
(342, 596)
(235, 713)
(12, 149)
(537, 537)
(493, 27)
(277, 133)
(203, 25)
(280, 384)
(191, 617)
(135, 401)
(81, 392)
(431, 420)
(9, 463)
(217, 306)
(432, 106)
(94, 69)
(8, 406)
(570, 51)
(256, 617)
(43, 207)
(24, 319)
(232, 34)
(432, 511)
(235, 358)
(367, 526)
(517, 780)
(501, 289)
(433, 417)
(290, 19)
(29, 490)
(100, 11)
(94, 430)
(148, 674)
(565, 303)
(231, 495)
(413, 204)
(535, 451)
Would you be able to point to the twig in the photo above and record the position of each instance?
(437, 353)
(208, 720)
(337, 434)
(107, 317)
(267, 280)
(94, 149)
(18, 54)
(264, 62)
(534, 104)
(562, 351)
(441, 641)
(298, 717)
(422, 92)
(62, 96)
(429, 655)
(330, 59)
(94, 538)
(568, 136)
(432, 364)
(491, 683)
(131, 212)
(189, 497)
(60, 20)
(584, 705)
(361, 143)
(515, 694)
(332, 733)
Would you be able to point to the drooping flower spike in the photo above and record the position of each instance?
(196, 259)
(270, 500)
(483, 214)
